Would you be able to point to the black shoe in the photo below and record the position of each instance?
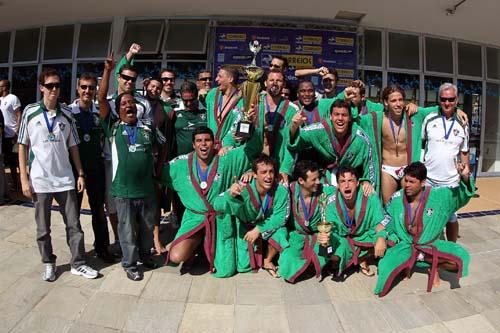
(149, 263)
(106, 257)
(134, 274)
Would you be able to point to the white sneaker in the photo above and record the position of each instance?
(85, 271)
(49, 273)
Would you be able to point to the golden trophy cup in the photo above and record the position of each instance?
(325, 250)
(250, 91)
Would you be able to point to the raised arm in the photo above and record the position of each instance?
(102, 94)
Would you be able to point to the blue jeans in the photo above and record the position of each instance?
(136, 220)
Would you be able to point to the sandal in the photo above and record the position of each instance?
(273, 271)
(366, 270)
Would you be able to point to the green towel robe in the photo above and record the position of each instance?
(182, 176)
(223, 128)
(357, 151)
(304, 247)
(277, 135)
(354, 241)
(250, 211)
(436, 207)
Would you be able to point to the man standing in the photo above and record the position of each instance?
(167, 77)
(132, 141)
(306, 213)
(11, 110)
(279, 63)
(419, 214)
(360, 224)
(261, 209)
(224, 107)
(48, 129)
(339, 141)
(446, 138)
(91, 134)
(199, 177)
(204, 84)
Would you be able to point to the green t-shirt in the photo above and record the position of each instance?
(185, 124)
(133, 169)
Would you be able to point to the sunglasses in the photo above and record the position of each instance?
(85, 87)
(128, 78)
(450, 99)
(327, 80)
(191, 100)
(168, 79)
(51, 86)
(208, 78)
(274, 66)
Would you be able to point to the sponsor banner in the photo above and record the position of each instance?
(302, 48)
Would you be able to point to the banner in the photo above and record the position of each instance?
(302, 48)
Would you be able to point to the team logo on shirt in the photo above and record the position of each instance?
(217, 177)
(349, 155)
(429, 212)
(456, 131)
(96, 121)
(62, 126)
(203, 116)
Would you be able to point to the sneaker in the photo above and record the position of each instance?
(85, 271)
(134, 274)
(50, 272)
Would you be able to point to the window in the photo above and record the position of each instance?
(431, 86)
(4, 73)
(373, 84)
(58, 42)
(147, 33)
(177, 42)
(25, 83)
(409, 82)
(93, 41)
(469, 59)
(4, 46)
(186, 71)
(438, 55)
(403, 51)
(147, 70)
(26, 45)
(493, 62)
(373, 48)
(491, 154)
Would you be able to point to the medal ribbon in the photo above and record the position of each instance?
(50, 125)
(264, 205)
(269, 114)
(447, 133)
(396, 137)
(349, 222)
(221, 97)
(86, 120)
(201, 175)
(408, 210)
(307, 210)
(132, 135)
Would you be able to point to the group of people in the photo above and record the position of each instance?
(325, 183)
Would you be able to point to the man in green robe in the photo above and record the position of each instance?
(224, 107)
(359, 223)
(339, 142)
(419, 213)
(199, 177)
(306, 213)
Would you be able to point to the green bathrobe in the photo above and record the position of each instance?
(356, 237)
(181, 175)
(357, 151)
(277, 133)
(304, 247)
(431, 217)
(223, 128)
(270, 215)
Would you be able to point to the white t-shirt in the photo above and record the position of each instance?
(440, 152)
(8, 105)
(50, 168)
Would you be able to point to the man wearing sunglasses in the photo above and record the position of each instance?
(48, 129)
(446, 138)
(279, 63)
(91, 134)
(168, 95)
(204, 84)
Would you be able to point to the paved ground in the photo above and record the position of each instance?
(168, 302)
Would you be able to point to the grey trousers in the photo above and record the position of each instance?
(74, 234)
(136, 220)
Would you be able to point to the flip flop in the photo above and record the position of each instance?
(366, 270)
(271, 270)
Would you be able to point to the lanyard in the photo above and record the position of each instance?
(269, 114)
(86, 120)
(221, 96)
(348, 221)
(265, 205)
(50, 125)
(132, 135)
(447, 133)
(396, 137)
(408, 210)
(202, 175)
(307, 210)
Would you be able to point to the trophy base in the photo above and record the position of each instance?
(244, 129)
(325, 251)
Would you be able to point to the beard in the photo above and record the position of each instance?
(274, 90)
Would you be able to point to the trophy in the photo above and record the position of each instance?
(250, 91)
(325, 250)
